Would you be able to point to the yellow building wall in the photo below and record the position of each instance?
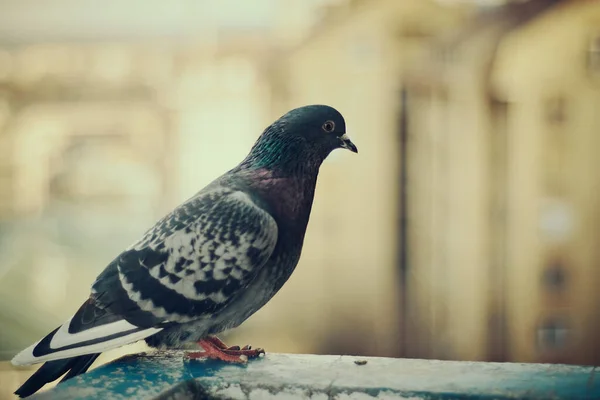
(553, 134)
(494, 163)
(450, 240)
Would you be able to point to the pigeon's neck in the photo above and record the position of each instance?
(289, 197)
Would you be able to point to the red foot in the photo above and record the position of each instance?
(215, 349)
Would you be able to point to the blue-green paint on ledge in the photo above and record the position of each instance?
(169, 375)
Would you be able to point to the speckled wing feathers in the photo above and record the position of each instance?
(194, 261)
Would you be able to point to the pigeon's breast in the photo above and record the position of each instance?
(276, 271)
(268, 282)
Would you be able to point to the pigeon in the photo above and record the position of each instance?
(209, 264)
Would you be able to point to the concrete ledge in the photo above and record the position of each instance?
(168, 375)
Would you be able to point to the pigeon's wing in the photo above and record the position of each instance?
(189, 265)
(194, 262)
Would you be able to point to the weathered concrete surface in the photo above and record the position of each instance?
(168, 375)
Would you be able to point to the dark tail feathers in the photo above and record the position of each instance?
(52, 370)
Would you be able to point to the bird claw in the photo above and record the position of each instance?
(221, 345)
(245, 352)
(214, 348)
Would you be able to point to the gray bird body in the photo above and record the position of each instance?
(210, 263)
(278, 197)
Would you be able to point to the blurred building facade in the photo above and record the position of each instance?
(503, 201)
(73, 137)
(481, 208)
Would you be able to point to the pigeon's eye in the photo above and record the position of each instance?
(329, 126)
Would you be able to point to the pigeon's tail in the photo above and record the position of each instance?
(91, 330)
(52, 370)
(72, 347)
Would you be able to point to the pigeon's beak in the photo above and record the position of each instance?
(346, 143)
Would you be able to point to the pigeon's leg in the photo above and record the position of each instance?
(219, 351)
(219, 343)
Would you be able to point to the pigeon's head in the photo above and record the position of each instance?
(301, 138)
(319, 127)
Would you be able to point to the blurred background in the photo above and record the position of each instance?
(467, 227)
